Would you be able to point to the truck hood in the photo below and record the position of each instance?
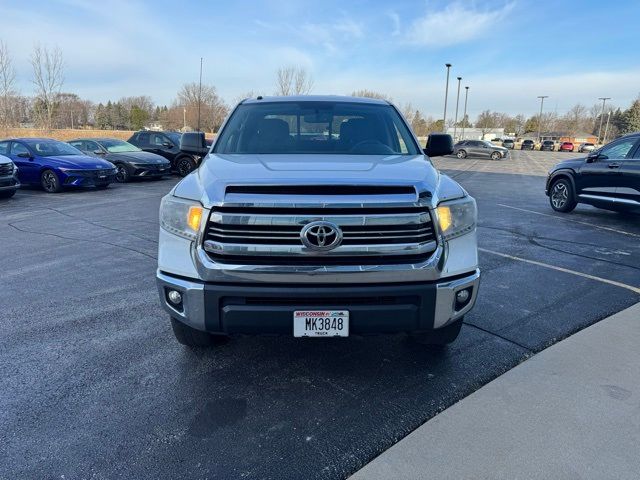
(218, 171)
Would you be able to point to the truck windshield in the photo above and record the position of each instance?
(316, 128)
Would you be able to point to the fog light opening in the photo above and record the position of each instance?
(463, 297)
(174, 297)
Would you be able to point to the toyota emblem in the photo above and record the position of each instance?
(321, 236)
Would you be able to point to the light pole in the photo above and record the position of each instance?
(606, 129)
(200, 94)
(446, 96)
(184, 119)
(541, 97)
(455, 121)
(464, 117)
(604, 100)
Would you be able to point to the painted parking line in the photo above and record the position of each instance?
(564, 270)
(571, 220)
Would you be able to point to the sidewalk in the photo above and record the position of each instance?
(570, 412)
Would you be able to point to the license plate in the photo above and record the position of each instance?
(316, 323)
(102, 176)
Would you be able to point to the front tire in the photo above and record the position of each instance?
(185, 165)
(122, 174)
(440, 336)
(561, 196)
(496, 156)
(7, 194)
(50, 182)
(193, 338)
(461, 154)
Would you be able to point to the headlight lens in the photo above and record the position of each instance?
(181, 217)
(457, 217)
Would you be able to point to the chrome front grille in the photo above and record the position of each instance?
(272, 235)
(6, 169)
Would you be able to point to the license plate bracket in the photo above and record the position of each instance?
(321, 323)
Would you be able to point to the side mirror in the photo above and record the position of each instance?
(438, 145)
(24, 155)
(98, 152)
(167, 144)
(595, 156)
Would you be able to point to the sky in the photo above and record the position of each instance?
(507, 51)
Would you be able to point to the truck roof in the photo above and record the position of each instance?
(315, 98)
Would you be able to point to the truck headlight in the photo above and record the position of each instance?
(457, 217)
(181, 217)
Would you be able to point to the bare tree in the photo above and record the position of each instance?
(486, 122)
(7, 83)
(293, 81)
(371, 94)
(48, 78)
(184, 109)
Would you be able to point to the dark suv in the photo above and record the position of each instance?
(607, 178)
(180, 149)
(527, 145)
(548, 145)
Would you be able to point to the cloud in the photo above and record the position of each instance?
(457, 23)
(395, 21)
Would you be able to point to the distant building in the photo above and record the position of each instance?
(475, 133)
(154, 126)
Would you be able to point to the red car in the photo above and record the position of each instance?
(566, 147)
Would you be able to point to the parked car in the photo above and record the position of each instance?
(509, 143)
(566, 147)
(9, 182)
(528, 145)
(586, 147)
(130, 161)
(607, 178)
(55, 165)
(548, 145)
(184, 158)
(479, 148)
(245, 249)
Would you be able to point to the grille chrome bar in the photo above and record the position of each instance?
(370, 235)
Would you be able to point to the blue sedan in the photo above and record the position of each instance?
(55, 165)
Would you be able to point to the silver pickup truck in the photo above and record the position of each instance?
(318, 216)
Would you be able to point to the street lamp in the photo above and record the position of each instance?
(541, 97)
(184, 119)
(606, 129)
(446, 96)
(604, 100)
(455, 122)
(464, 117)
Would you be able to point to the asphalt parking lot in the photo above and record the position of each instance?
(95, 386)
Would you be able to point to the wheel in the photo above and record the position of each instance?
(185, 165)
(561, 196)
(122, 174)
(461, 154)
(7, 194)
(191, 337)
(440, 336)
(496, 156)
(50, 182)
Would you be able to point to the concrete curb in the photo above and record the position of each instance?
(571, 411)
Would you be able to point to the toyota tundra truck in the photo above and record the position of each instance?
(318, 216)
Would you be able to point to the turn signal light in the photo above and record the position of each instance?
(444, 218)
(194, 218)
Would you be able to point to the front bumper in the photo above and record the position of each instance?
(9, 183)
(88, 178)
(148, 171)
(373, 308)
